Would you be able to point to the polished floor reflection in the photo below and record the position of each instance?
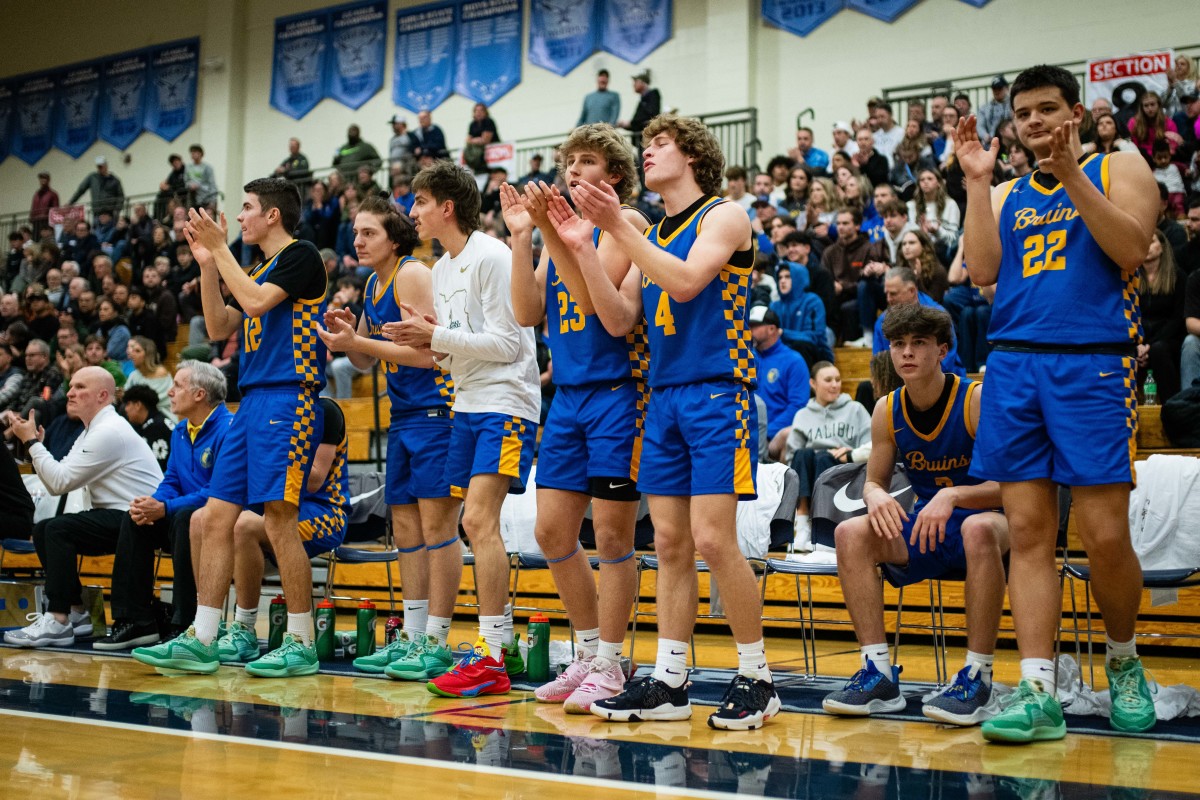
(83, 726)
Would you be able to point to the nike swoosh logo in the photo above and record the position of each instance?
(718, 394)
(618, 386)
(848, 505)
(274, 421)
(678, 652)
(618, 485)
(463, 269)
(1106, 374)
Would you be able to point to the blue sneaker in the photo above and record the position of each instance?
(869, 691)
(963, 702)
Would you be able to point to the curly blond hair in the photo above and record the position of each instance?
(603, 139)
(696, 141)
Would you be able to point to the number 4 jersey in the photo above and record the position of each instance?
(1056, 285)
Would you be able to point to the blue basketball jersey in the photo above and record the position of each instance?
(942, 458)
(336, 489)
(409, 388)
(706, 338)
(582, 350)
(281, 348)
(1056, 286)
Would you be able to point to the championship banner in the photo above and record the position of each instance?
(423, 69)
(1122, 80)
(633, 29)
(800, 17)
(886, 10)
(358, 38)
(8, 106)
(171, 96)
(77, 122)
(298, 74)
(562, 33)
(123, 98)
(32, 137)
(489, 49)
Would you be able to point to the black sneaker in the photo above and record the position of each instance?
(124, 634)
(747, 704)
(645, 699)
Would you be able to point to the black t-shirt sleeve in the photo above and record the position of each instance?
(299, 272)
(335, 422)
(1191, 300)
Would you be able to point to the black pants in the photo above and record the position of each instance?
(809, 464)
(133, 569)
(61, 540)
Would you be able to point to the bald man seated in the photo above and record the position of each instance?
(116, 465)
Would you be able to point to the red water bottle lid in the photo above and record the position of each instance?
(325, 603)
(539, 617)
(365, 603)
(278, 600)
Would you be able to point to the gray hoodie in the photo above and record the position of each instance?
(842, 423)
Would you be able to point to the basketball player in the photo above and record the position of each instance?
(424, 515)
(591, 443)
(1062, 246)
(496, 402)
(698, 459)
(268, 451)
(929, 426)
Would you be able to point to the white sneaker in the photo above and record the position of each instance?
(863, 342)
(45, 631)
(81, 623)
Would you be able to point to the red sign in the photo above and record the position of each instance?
(67, 214)
(1129, 66)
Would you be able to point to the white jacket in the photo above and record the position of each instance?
(1164, 512)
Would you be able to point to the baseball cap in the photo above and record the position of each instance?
(761, 315)
(761, 204)
(398, 118)
(101, 161)
(643, 76)
(1185, 99)
(43, 174)
(999, 82)
(843, 126)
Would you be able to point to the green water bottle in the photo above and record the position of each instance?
(326, 624)
(277, 617)
(365, 644)
(1150, 390)
(537, 661)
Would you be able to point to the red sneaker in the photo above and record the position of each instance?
(477, 673)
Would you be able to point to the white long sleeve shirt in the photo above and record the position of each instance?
(491, 358)
(109, 458)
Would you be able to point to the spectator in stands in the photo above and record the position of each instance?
(428, 139)
(340, 371)
(11, 375)
(161, 302)
(869, 162)
(355, 153)
(906, 164)
(105, 189)
(535, 175)
(915, 135)
(1183, 82)
(845, 259)
(831, 429)
(795, 194)
(1176, 234)
(112, 326)
(42, 379)
(887, 133)
(779, 167)
(295, 166)
(143, 321)
(917, 252)
(735, 187)
(82, 245)
(12, 263)
(932, 211)
(95, 351)
(649, 106)
(161, 520)
(172, 190)
(323, 213)
(480, 133)
(140, 406)
(843, 139)
(1187, 255)
(784, 387)
(601, 105)
(1161, 292)
(943, 145)
(44, 199)
(963, 103)
(900, 285)
(800, 311)
(1187, 121)
(148, 370)
(85, 311)
(821, 209)
(1151, 124)
(17, 334)
(805, 154)
(1108, 139)
(116, 465)
(400, 146)
(992, 114)
(402, 196)
(201, 180)
(1169, 175)
(55, 291)
(366, 185)
(856, 190)
(1189, 368)
(39, 314)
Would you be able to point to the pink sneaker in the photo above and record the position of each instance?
(565, 684)
(604, 679)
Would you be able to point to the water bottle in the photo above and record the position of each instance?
(365, 641)
(326, 623)
(277, 616)
(1150, 390)
(537, 661)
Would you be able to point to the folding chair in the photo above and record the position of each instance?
(367, 509)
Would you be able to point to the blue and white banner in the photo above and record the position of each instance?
(34, 130)
(8, 107)
(426, 44)
(171, 99)
(562, 33)
(489, 49)
(358, 44)
(800, 17)
(298, 75)
(633, 29)
(977, 3)
(77, 122)
(123, 98)
(886, 10)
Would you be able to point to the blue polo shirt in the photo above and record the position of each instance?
(782, 385)
(190, 465)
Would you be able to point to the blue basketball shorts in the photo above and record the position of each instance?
(593, 431)
(268, 451)
(1071, 418)
(489, 444)
(948, 557)
(418, 443)
(701, 438)
(321, 526)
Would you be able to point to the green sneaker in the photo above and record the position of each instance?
(1132, 703)
(238, 643)
(397, 650)
(289, 660)
(1029, 715)
(427, 659)
(513, 663)
(184, 653)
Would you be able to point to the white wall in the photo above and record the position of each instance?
(722, 56)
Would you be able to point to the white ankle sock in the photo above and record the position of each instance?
(1040, 671)
(984, 662)
(508, 624)
(1113, 649)
(300, 626)
(587, 641)
(491, 630)
(416, 617)
(247, 617)
(208, 620)
(609, 650)
(752, 661)
(880, 656)
(439, 628)
(670, 666)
